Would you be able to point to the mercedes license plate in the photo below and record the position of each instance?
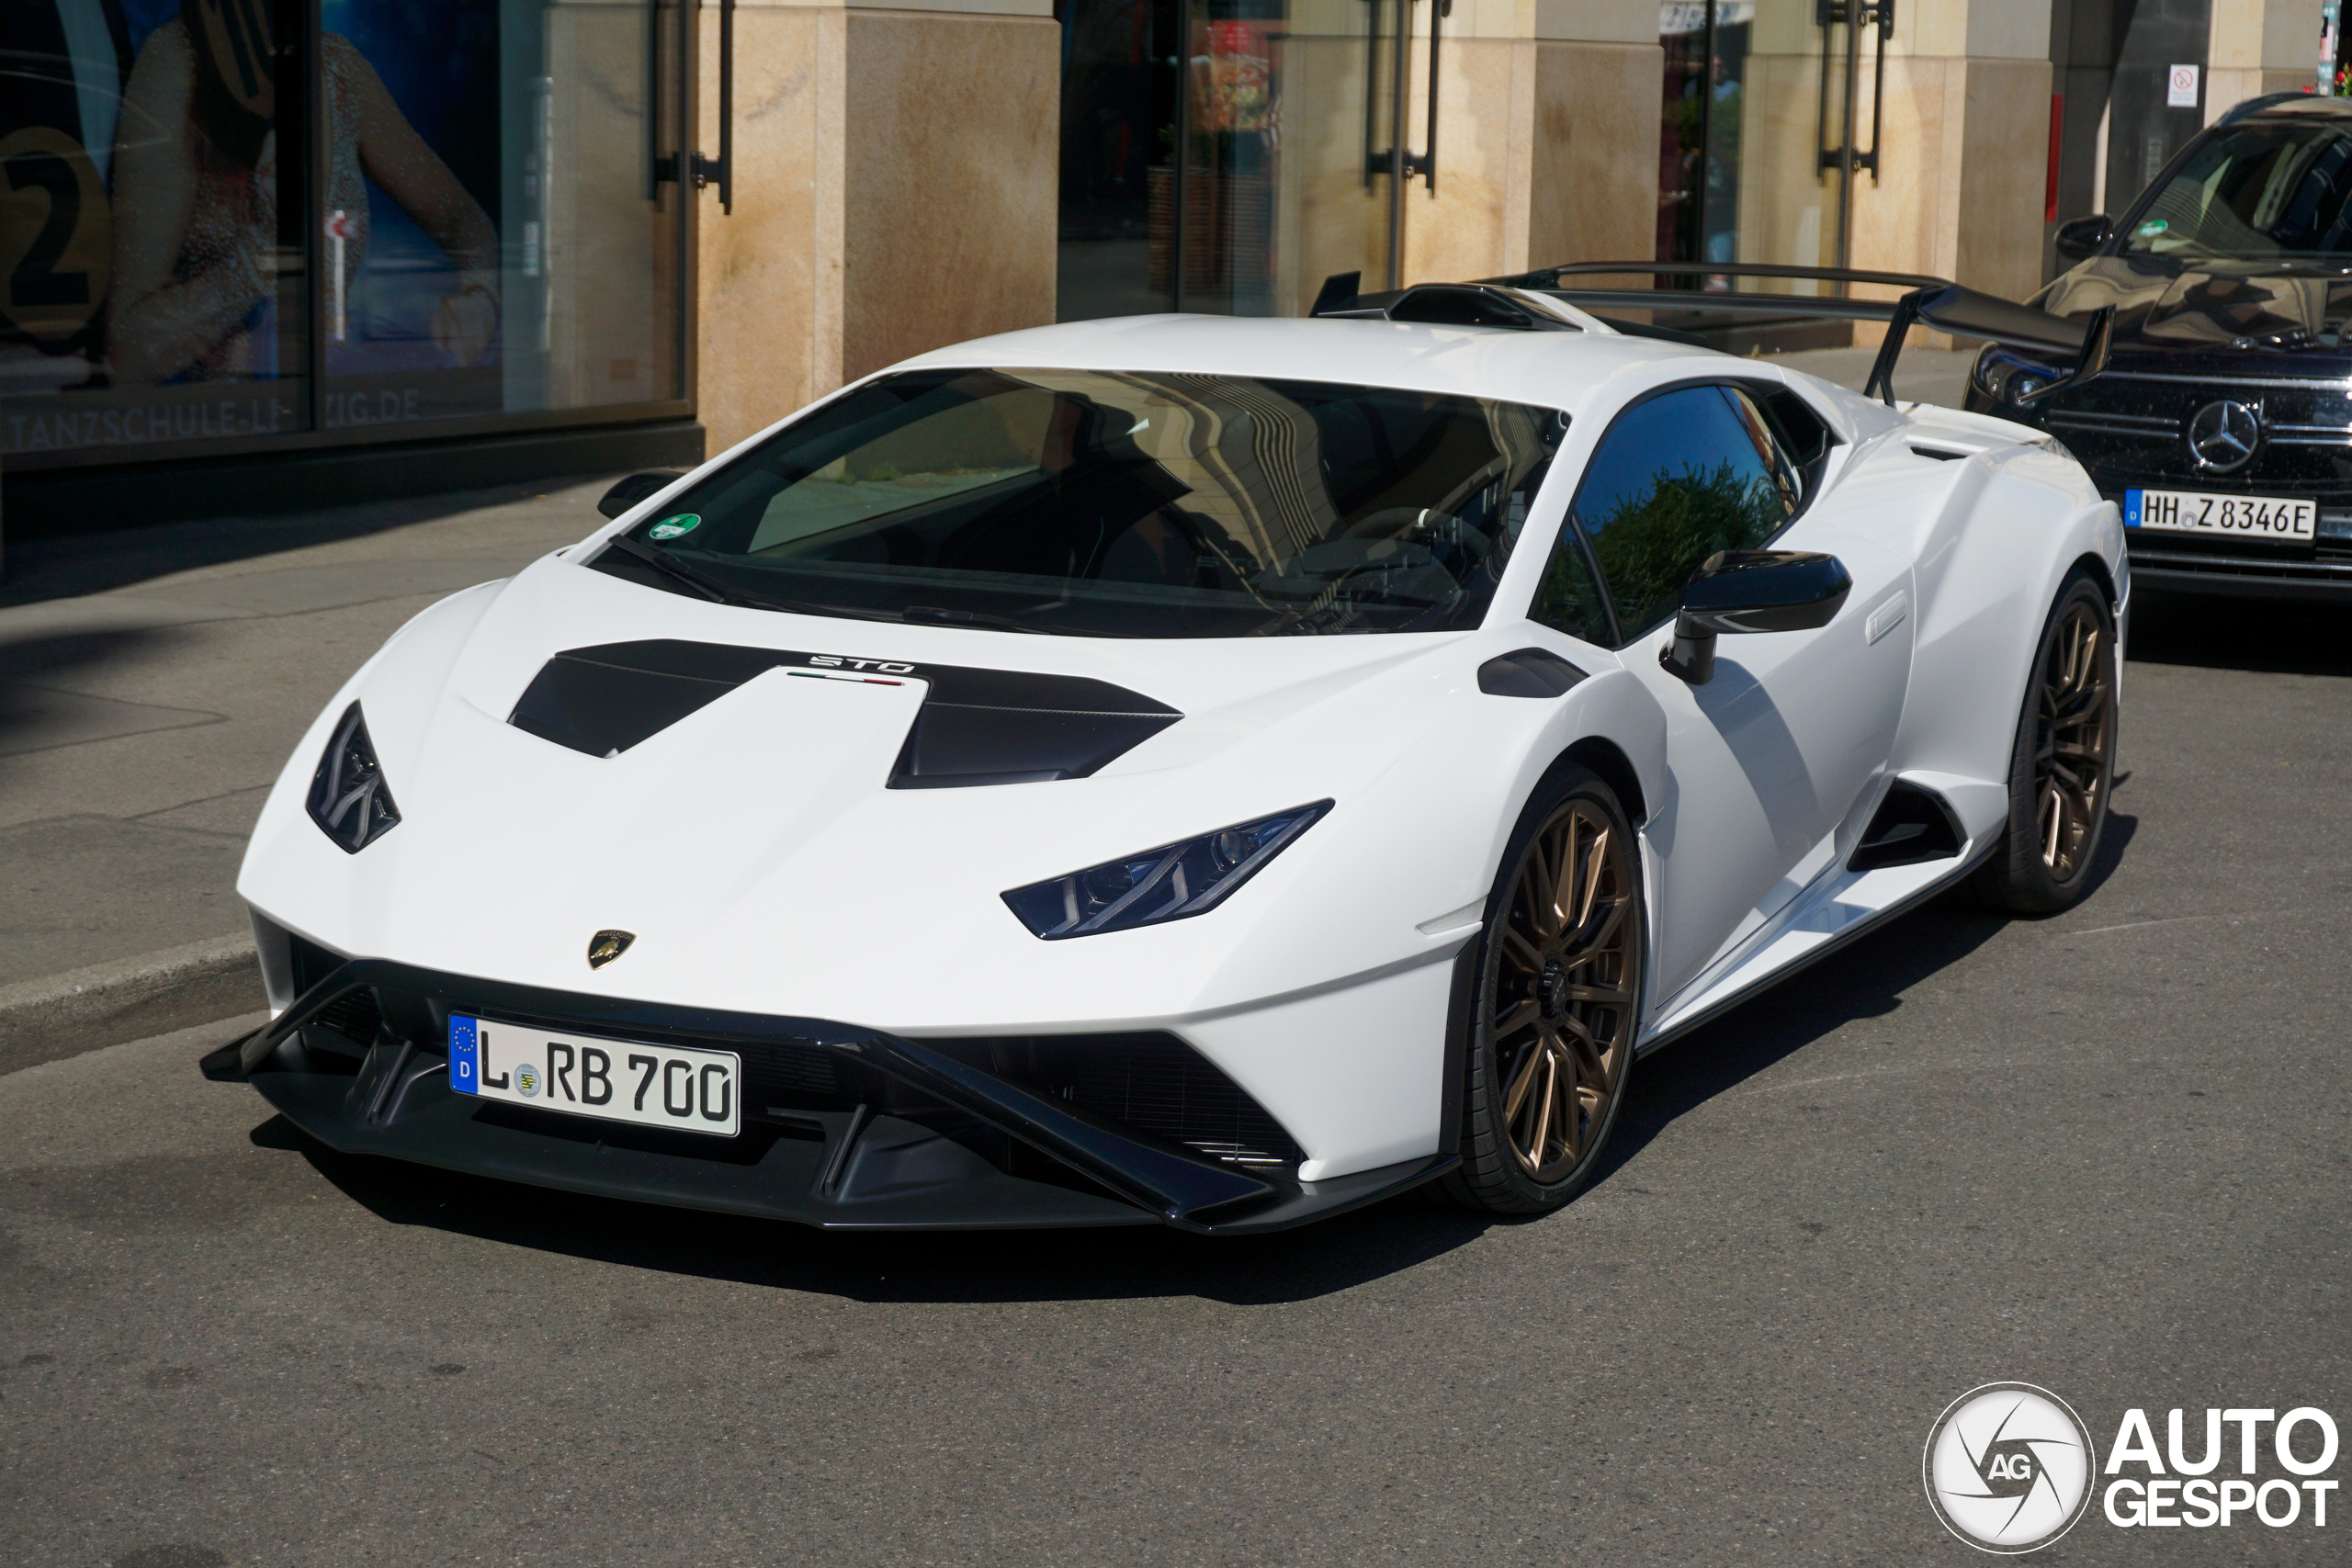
(2245, 517)
(677, 1087)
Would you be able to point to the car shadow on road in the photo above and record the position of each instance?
(1866, 980)
(1140, 1262)
(2281, 637)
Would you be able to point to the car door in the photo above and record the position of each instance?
(1767, 758)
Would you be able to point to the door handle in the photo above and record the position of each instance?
(659, 165)
(720, 171)
(1425, 164)
(1396, 158)
(1854, 16)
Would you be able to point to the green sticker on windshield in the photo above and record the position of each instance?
(670, 528)
(2151, 228)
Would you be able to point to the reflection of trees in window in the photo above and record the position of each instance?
(1650, 543)
(1568, 601)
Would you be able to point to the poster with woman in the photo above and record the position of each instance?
(414, 299)
(150, 291)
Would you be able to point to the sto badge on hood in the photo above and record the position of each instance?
(606, 947)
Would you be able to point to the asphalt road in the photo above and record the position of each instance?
(2107, 1154)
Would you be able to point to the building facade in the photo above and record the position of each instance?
(372, 244)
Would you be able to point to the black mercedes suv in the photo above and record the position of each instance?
(2222, 426)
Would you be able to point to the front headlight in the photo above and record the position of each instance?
(349, 800)
(1170, 882)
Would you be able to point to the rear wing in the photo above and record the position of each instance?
(1524, 302)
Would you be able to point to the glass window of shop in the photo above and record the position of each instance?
(232, 224)
(1705, 45)
(1772, 113)
(1226, 155)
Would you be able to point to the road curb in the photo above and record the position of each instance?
(128, 999)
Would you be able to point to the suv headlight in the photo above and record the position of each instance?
(2003, 375)
(1170, 882)
(349, 800)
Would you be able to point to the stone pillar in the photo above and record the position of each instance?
(1788, 206)
(2260, 46)
(1963, 160)
(894, 190)
(1547, 138)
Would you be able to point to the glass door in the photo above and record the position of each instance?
(1228, 155)
(151, 280)
(1770, 115)
(501, 219)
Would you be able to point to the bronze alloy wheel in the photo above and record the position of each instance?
(1558, 1002)
(2072, 745)
(2062, 766)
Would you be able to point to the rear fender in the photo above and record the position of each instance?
(2016, 522)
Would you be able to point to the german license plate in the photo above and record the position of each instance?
(680, 1088)
(2246, 516)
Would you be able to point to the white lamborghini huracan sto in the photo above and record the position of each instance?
(1181, 770)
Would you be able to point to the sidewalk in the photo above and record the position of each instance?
(151, 683)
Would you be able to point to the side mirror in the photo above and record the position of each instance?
(2084, 236)
(1751, 591)
(636, 488)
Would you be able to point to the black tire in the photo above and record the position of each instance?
(2061, 767)
(1554, 993)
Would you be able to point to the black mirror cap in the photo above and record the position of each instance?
(1751, 591)
(2080, 239)
(1766, 590)
(628, 492)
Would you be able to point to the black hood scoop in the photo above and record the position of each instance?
(976, 727)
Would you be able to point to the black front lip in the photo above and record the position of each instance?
(400, 1104)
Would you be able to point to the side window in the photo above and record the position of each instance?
(1804, 438)
(1685, 474)
(1567, 600)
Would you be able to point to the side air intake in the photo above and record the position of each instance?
(1911, 825)
(1149, 1083)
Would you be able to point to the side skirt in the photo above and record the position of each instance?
(1748, 989)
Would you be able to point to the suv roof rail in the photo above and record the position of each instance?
(2237, 112)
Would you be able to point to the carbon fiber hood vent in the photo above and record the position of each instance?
(976, 727)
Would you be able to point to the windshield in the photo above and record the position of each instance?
(2254, 192)
(1115, 504)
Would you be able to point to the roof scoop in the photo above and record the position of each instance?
(1451, 305)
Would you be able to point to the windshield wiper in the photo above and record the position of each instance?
(672, 569)
(720, 594)
(941, 613)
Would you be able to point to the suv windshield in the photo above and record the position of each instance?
(1115, 503)
(2254, 192)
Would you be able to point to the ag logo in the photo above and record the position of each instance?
(2008, 1468)
(527, 1078)
(2222, 436)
